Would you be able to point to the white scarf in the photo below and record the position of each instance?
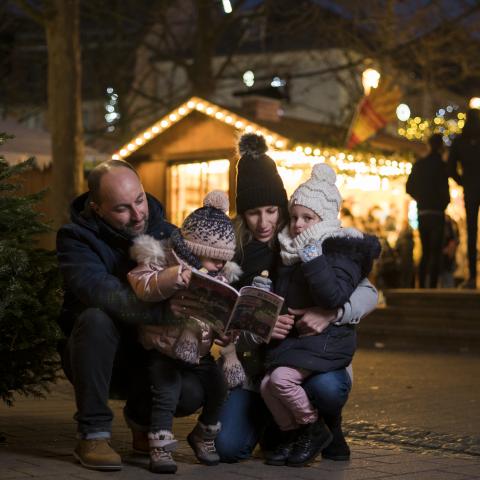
(319, 232)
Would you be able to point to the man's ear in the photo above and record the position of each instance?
(95, 208)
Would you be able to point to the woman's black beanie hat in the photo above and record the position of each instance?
(258, 181)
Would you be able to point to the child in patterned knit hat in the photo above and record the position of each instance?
(322, 264)
(206, 240)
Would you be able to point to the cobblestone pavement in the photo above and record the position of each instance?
(428, 401)
(390, 435)
(408, 437)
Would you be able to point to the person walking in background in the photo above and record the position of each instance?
(465, 153)
(428, 185)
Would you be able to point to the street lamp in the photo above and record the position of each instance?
(403, 112)
(370, 79)
(474, 102)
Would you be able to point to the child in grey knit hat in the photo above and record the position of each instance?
(206, 240)
(322, 264)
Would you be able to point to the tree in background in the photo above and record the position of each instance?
(155, 53)
(29, 292)
(60, 19)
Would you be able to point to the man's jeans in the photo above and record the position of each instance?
(245, 418)
(94, 347)
(104, 359)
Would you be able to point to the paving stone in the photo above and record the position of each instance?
(433, 475)
(468, 470)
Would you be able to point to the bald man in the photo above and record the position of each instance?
(101, 314)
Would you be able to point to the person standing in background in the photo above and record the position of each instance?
(465, 153)
(428, 185)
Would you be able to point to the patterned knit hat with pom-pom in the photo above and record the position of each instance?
(258, 181)
(206, 232)
(319, 193)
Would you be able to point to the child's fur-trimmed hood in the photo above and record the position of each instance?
(148, 250)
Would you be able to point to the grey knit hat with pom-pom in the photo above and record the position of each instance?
(319, 193)
(207, 231)
(258, 181)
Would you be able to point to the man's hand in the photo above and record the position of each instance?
(283, 326)
(313, 320)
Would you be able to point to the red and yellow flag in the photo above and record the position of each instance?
(374, 112)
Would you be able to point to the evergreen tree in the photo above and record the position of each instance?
(29, 291)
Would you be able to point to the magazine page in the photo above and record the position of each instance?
(256, 311)
(216, 300)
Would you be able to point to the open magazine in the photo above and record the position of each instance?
(252, 308)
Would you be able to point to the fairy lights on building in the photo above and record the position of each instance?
(283, 151)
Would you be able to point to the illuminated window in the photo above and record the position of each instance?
(190, 182)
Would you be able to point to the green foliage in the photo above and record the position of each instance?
(29, 292)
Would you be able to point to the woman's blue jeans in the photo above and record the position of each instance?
(245, 417)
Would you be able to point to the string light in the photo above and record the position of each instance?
(358, 164)
(445, 122)
(206, 108)
(346, 162)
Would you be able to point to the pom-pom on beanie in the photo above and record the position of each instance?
(258, 181)
(319, 193)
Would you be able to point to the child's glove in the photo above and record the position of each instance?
(311, 250)
(262, 281)
(186, 348)
(232, 368)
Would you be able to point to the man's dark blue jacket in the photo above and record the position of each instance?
(94, 262)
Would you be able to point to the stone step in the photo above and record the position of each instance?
(401, 319)
(434, 313)
(438, 298)
(416, 329)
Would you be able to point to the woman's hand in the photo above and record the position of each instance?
(283, 326)
(184, 304)
(313, 320)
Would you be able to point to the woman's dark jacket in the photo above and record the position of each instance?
(326, 281)
(255, 257)
(94, 261)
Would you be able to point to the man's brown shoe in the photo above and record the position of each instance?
(97, 454)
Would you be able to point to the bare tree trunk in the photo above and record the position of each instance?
(65, 104)
(201, 71)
